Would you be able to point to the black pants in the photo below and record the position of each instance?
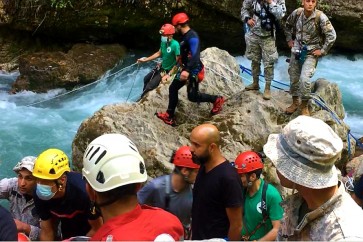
(151, 81)
(193, 94)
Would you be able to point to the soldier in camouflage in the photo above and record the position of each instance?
(19, 192)
(262, 17)
(310, 35)
(304, 155)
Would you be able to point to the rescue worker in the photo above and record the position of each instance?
(261, 206)
(190, 74)
(19, 191)
(262, 17)
(309, 35)
(304, 154)
(169, 52)
(61, 197)
(173, 192)
(114, 171)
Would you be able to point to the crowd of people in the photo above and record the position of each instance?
(206, 196)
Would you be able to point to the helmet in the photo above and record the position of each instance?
(51, 164)
(27, 162)
(248, 161)
(180, 18)
(183, 158)
(23, 237)
(111, 161)
(167, 29)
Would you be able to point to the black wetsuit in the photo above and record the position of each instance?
(190, 56)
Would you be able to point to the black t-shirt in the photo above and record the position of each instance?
(73, 210)
(213, 192)
(8, 231)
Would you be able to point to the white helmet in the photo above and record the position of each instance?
(111, 161)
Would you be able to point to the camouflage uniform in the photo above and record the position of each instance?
(337, 219)
(20, 208)
(316, 35)
(260, 44)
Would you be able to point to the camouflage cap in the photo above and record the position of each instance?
(305, 152)
(27, 162)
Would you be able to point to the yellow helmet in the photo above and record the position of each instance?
(51, 164)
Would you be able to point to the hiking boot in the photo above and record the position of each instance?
(217, 105)
(304, 108)
(293, 107)
(166, 118)
(267, 92)
(253, 86)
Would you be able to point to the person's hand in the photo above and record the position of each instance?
(317, 53)
(141, 60)
(290, 43)
(20, 226)
(184, 75)
(251, 22)
(165, 78)
(269, 1)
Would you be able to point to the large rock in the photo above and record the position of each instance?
(83, 64)
(245, 122)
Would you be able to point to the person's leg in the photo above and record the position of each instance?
(307, 71)
(269, 56)
(148, 77)
(294, 73)
(152, 84)
(254, 53)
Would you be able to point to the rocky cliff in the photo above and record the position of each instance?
(27, 24)
(245, 122)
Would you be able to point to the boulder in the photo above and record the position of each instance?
(83, 64)
(244, 123)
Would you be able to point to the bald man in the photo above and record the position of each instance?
(217, 193)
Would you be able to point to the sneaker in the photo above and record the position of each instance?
(166, 118)
(217, 105)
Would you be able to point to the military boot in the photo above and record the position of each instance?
(253, 86)
(267, 92)
(293, 107)
(304, 108)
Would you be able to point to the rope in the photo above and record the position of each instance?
(133, 82)
(249, 71)
(82, 87)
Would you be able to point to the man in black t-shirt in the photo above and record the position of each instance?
(8, 231)
(217, 194)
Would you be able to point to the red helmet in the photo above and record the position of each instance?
(183, 158)
(23, 237)
(180, 18)
(167, 29)
(248, 161)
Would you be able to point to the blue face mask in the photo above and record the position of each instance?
(44, 192)
(164, 39)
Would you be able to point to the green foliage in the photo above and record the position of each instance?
(60, 4)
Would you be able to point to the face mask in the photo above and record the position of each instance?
(44, 192)
(164, 39)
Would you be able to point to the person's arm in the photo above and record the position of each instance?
(277, 9)
(6, 186)
(235, 223)
(289, 28)
(47, 232)
(146, 194)
(152, 57)
(95, 225)
(329, 33)
(272, 234)
(31, 231)
(247, 6)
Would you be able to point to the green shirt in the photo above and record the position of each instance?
(253, 212)
(169, 52)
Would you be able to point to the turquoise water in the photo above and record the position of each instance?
(28, 130)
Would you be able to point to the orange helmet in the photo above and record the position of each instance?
(23, 237)
(180, 18)
(183, 158)
(167, 29)
(248, 161)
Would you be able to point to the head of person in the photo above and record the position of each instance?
(50, 170)
(249, 167)
(180, 20)
(204, 143)
(184, 165)
(26, 180)
(166, 31)
(309, 5)
(113, 168)
(304, 154)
